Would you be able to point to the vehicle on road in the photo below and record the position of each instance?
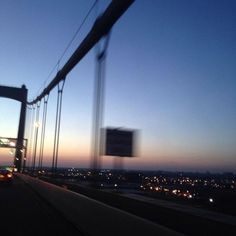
(6, 176)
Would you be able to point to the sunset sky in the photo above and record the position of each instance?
(170, 74)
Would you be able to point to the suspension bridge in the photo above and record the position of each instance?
(37, 206)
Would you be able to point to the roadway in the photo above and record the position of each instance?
(23, 212)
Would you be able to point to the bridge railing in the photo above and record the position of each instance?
(93, 217)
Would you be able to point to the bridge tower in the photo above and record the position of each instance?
(19, 94)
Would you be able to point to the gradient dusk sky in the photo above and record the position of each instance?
(170, 73)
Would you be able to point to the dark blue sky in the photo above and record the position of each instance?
(170, 74)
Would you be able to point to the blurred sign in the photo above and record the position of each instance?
(7, 142)
(119, 142)
(10, 142)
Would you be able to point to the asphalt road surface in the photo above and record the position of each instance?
(23, 212)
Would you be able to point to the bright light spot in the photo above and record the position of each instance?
(115, 185)
(174, 191)
(12, 144)
(211, 200)
(9, 175)
(37, 124)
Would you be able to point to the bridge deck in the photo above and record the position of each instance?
(23, 212)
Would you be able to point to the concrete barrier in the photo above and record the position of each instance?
(93, 217)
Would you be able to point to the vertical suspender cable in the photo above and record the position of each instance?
(57, 128)
(36, 135)
(56, 125)
(59, 125)
(27, 131)
(44, 119)
(55, 134)
(28, 122)
(98, 105)
(31, 136)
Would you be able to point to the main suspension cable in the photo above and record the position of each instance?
(70, 43)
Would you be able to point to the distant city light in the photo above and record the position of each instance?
(174, 191)
(211, 200)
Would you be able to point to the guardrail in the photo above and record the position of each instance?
(93, 217)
